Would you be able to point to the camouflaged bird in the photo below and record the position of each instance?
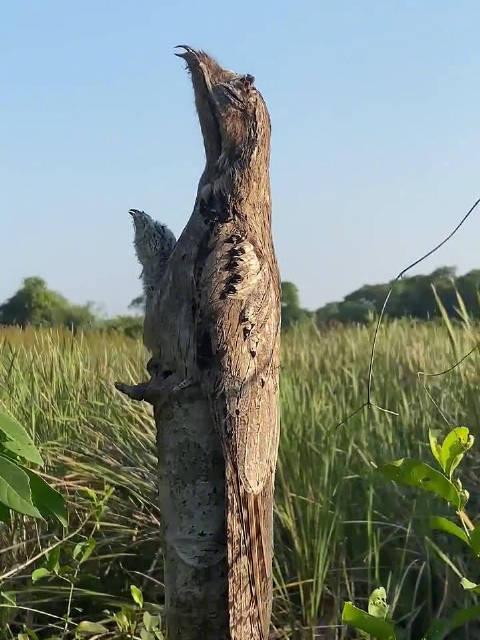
(154, 244)
(214, 325)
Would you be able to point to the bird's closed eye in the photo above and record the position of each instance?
(233, 94)
(248, 81)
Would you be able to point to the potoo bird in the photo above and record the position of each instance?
(237, 323)
(154, 243)
(214, 330)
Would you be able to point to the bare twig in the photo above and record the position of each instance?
(454, 366)
(436, 405)
(368, 403)
(24, 565)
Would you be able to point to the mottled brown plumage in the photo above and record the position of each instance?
(237, 328)
(214, 327)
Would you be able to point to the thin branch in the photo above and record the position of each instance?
(399, 276)
(351, 415)
(26, 564)
(376, 406)
(454, 366)
(436, 405)
(39, 611)
(146, 577)
(426, 374)
(379, 322)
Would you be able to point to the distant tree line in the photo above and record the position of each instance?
(36, 305)
(412, 297)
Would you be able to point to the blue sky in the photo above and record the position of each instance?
(375, 151)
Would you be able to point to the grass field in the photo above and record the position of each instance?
(340, 530)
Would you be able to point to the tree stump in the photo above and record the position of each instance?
(213, 328)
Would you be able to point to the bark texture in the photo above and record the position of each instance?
(213, 328)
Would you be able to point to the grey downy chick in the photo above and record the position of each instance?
(154, 243)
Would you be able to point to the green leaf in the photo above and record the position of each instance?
(90, 628)
(148, 621)
(468, 585)
(440, 629)
(376, 627)
(66, 571)
(475, 540)
(146, 635)
(83, 550)
(18, 441)
(439, 523)
(415, 473)
(19, 449)
(15, 490)
(462, 616)
(463, 493)
(53, 559)
(40, 573)
(151, 623)
(136, 595)
(435, 447)
(454, 447)
(437, 630)
(47, 500)
(377, 603)
(91, 494)
(5, 515)
(122, 620)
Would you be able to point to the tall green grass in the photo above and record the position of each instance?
(340, 531)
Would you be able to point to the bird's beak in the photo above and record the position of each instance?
(205, 74)
(200, 65)
(186, 51)
(137, 217)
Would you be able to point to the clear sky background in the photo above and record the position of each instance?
(375, 151)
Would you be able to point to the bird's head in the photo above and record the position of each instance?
(233, 116)
(152, 239)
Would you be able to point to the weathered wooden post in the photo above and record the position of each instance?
(212, 324)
